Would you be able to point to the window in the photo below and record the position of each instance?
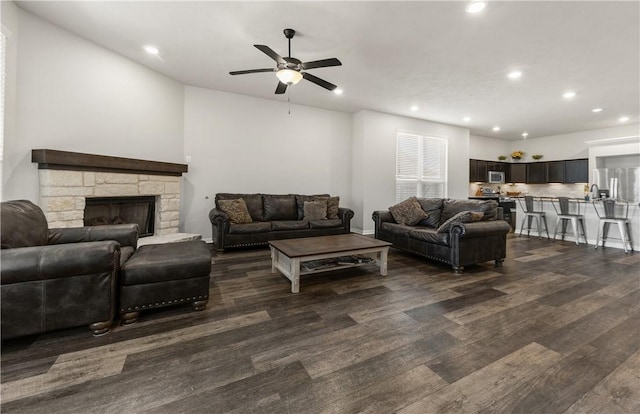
(421, 166)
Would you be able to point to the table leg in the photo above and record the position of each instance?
(295, 275)
(274, 259)
(383, 261)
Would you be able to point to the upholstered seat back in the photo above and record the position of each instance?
(22, 224)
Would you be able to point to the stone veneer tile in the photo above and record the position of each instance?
(169, 215)
(116, 178)
(65, 191)
(57, 203)
(114, 190)
(60, 178)
(150, 187)
(170, 204)
(66, 215)
(89, 179)
(172, 188)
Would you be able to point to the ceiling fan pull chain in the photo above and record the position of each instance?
(289, 100)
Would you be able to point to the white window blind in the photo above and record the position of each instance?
(421, 166)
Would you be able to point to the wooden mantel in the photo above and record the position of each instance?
(65, 160)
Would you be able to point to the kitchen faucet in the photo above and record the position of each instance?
(596, 195)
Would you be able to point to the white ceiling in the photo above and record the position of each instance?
(449, 63)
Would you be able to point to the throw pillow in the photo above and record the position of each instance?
(332, 207)
(408, 212)
(315, 210)
(236, 210)
(461, 217)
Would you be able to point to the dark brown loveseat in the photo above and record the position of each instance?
(274, 217)
(461, 244)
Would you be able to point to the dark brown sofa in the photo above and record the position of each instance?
(58, 278)
(274, 217)
(463, 244)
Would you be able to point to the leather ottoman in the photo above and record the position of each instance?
(160, 275)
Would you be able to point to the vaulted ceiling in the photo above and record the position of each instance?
(432, 55)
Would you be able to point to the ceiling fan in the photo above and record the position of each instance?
(289, 70)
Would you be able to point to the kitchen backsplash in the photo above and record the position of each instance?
(538, 190)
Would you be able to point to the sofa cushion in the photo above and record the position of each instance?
(461, 217)
(289, 225)
(325, 224)
(332, 207)
(255, 227)
(452, 207)
(23, 225)
(433, 207)
(300, 199)
(236, 210)
(279, 207)
(408, 212)
(394, 228)
(253, 201)
(315, 210)
(430, 235)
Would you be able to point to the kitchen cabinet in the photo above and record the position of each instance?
(517, 173)
(536, 173)
(478, 171)
(555, 171)
(576, 171)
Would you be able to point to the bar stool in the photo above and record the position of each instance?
(568, 210)
(528, 207)
(608, 215)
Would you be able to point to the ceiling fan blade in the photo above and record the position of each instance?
(269, 52)
(243, 72)
(318, 81)
(281, 88)
(321, 63)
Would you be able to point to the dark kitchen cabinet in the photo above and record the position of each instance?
(478, 171)
(536, 173)
(555, 171)
(576, 171)
(517, 173)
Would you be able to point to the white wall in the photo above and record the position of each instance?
(488, 149)
(375, 150)
(241, 144)
(570, 146)
(74, 95)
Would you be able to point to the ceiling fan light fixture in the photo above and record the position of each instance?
(289, 76)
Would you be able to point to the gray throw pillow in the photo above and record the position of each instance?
(461, 217)
(332, 207)
(236, 210)
(315, 210)
(408, 212)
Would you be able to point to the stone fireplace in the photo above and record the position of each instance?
(68, 180)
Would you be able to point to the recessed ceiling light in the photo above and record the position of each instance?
(337, 91)
(623, 119)
(152, 50)
(597, 110)
(569, 95)
(476, 6)
(414, 108)
(466, 119)
(496, 128)
(525, 134)
(515, 74)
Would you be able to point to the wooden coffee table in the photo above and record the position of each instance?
(295, 257)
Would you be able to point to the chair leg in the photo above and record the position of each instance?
(522, 225)
(584, 230)
(622, 228)
(546, 227)
(600, 229)
(556, 230)
(574, 226)
(629, 235)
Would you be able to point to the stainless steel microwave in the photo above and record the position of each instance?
(495, 177)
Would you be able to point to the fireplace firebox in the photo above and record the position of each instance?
(120, 210)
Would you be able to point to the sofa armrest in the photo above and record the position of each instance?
(219, 227)
(480, 228)
(124, 234)
(345, 214)
(379, 217)
(58, 261)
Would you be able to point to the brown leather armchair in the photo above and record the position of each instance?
(58, 278)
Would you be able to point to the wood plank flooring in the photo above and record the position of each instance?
(556, 330)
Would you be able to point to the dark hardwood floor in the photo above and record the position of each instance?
(556, 330)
